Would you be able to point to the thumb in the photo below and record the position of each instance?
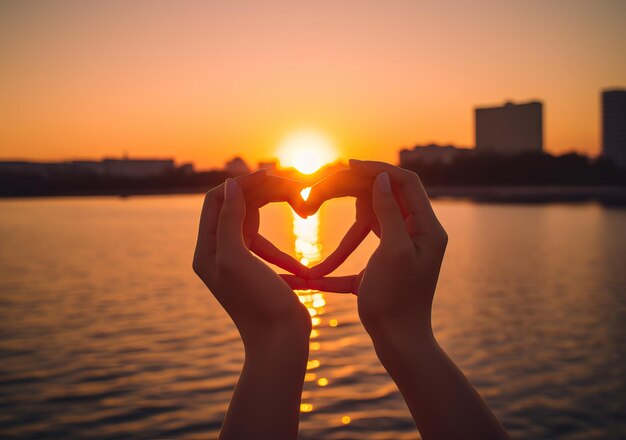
(230, 224)
(392, 226)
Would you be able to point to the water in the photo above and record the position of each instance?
(105, 332)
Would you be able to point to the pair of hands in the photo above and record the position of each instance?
(394, 295)
(394, 291)
(396, 287)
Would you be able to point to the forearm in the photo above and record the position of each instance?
(442, 401)
(266, 401)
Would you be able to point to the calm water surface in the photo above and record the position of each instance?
(105, 332)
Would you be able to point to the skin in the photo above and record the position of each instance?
(395, 294)
(273, 324)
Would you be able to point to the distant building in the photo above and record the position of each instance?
(133, 168)
(236, 167)
(40, 169)
(138, 168)
(614, 126)
(79, 167)
(187, 169)
(510, 129)
(431, 153)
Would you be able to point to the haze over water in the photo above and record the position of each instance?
(106, 332)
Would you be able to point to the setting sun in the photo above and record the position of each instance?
(307, 152)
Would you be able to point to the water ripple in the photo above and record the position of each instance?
(106, 333)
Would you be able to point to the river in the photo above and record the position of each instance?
(105, 332)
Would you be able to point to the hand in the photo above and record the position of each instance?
(400, 278)
(273, 323)
(395, 294)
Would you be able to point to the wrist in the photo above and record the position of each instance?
(285, 339)
(403, 351)
(401, 334)
(281, 354)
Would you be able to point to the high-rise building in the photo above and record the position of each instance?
(614, 126)
(510, 129)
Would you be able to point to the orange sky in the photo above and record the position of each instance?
(203, 81)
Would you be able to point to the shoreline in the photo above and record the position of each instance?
(494, 194)
(533, 194)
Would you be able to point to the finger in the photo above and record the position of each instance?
(347, 284)
(251, 225)
(413, 193)
(251, 180)
(230, 242)
(353, 238)
(277, 189)
(393, 231)
(205, 244)
(204, 255)
(213, 200)
(341, 184)
(270, 253)
(365, 214)
(295, 282)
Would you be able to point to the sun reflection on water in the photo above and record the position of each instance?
(309, 251)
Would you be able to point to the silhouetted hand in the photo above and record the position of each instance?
(273, 323)
(395, 294)
(400, 278)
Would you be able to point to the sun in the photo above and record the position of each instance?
(307, 152)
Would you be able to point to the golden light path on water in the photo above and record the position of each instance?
(309, 251)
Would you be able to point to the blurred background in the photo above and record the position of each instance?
(117, 116)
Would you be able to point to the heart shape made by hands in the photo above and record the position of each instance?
(277, 189)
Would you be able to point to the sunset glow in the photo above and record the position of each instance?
(211, 80)
(307, 152)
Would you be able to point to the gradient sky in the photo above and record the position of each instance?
(202, 81)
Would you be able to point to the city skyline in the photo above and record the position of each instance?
(482, 121)
(199, 82)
